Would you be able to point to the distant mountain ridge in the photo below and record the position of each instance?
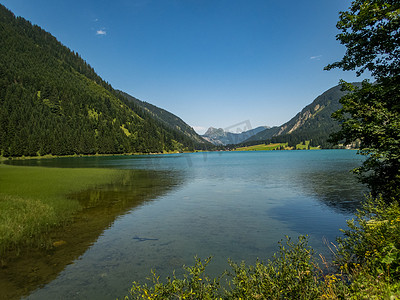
(312, 123)
(218, 136)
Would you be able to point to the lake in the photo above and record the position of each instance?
(173, 207)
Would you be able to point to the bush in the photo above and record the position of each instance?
(366, 266)
(194, 285)
(291, 274)
(369, 252)
(373, 239)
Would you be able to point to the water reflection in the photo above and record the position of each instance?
(234, 204)
(329, 195)
(338, 190)
(103, 205)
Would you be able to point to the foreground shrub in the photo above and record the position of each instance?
(366, 266)
(373, 240)
(369, 253)
(291, 274)
(194, 285)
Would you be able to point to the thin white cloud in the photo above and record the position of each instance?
(101, 32)
(317, 57)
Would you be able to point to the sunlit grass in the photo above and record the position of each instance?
(33, 200)
(306, 146)
(278, 146)
(262, 147)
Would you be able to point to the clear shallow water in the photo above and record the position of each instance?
(234, 205)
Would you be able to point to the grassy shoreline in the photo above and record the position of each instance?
(33, 265)
(34, 201)
(264, 147)
(48, 156)
(259, 147)
(278, 146)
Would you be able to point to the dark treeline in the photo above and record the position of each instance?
(53, 102)
(316, 137)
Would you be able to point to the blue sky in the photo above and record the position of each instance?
(211, 62)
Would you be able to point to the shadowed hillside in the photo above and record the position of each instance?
(53, 102)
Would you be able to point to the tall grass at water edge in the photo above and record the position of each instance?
(34, 200)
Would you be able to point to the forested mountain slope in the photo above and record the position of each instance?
(53, 102)
(167, 118)
(313, 123)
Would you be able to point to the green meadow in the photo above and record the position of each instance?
(34, 201)
(263, 147)
(306, 146)
(278, 146)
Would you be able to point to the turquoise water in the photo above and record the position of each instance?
(234, 205)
